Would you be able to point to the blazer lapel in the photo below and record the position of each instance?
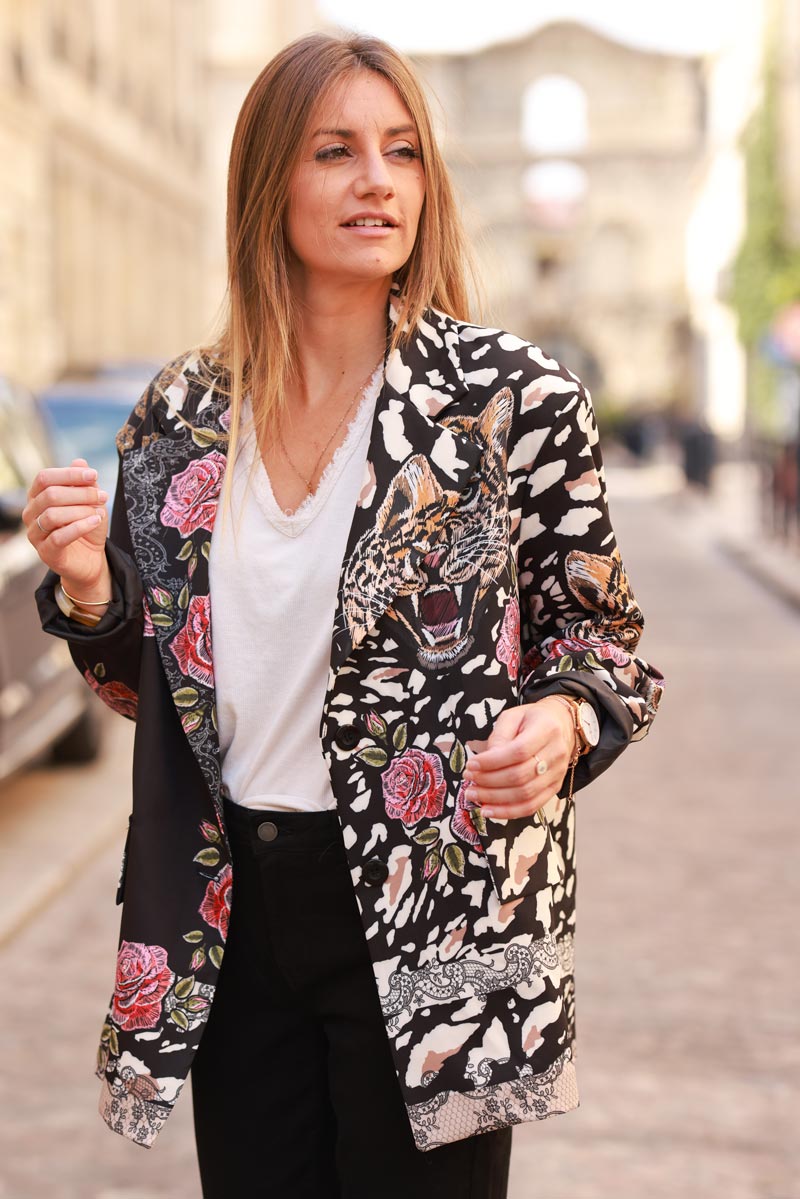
(415, 471)
(172, 489)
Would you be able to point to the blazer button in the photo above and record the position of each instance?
(348, 736)
(375, 872)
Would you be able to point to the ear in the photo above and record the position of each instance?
(495, 420)
(591, 579)
(415, 490)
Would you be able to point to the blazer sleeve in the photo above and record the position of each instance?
(109, 655)
(580, 624)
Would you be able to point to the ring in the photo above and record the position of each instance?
(541, 765)
(41, 526)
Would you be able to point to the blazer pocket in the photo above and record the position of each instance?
(522, 856)
(123, 869)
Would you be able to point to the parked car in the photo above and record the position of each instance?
(83, 415)
(44, 704)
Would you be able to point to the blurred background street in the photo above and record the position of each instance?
(631, 183)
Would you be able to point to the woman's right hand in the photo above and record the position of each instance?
(67, 524)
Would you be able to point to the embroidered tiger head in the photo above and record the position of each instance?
(433, 554)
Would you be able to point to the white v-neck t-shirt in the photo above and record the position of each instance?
(274, 579)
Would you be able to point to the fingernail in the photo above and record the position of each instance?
(102, 495)
(487, 811)
(471, 792)
(88, 475)
(96, 519)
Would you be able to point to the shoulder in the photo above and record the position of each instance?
(491, 358)
(175, 399)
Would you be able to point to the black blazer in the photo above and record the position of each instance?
(481, 570)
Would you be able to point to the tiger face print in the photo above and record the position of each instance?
(435, 553)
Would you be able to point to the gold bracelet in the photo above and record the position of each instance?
(86, 603)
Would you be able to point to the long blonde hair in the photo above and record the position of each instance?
(257, 347)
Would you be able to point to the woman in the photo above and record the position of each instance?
(423, 646)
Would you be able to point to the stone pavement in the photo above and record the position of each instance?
(689, 1034)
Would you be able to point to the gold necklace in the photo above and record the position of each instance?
(309, 482)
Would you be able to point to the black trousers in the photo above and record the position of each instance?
(295, 1094)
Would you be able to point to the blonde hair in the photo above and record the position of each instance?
(257, 347)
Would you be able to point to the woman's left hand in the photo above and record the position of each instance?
(504, 776)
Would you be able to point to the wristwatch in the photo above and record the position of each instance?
(587, 726)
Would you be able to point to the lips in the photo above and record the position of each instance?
(370, 220)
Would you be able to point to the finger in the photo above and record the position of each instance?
(56, 496)
(532, 789)
(60, 538)
(61, 476)
(515, 810)
(507, 754)
(520, 774)
(56, 518)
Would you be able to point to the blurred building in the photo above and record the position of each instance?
(115, 127)
(717, 224)
(102, 110)
(579, 158)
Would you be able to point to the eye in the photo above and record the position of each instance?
(407, 152)
(331, 153)
(470, 495)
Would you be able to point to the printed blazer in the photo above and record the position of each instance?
(481, 571)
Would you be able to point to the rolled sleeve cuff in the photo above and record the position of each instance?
(125, 606)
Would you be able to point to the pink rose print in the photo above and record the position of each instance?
(143, 979)
(414, 786)
(462, 824)
(225, 419)
(602, 649)
(508, 649)
(192, 645)
(216, 906)
(191, 501)
(118, 697)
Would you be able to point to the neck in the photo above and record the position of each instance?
(342, 335)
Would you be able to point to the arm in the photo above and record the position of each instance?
(579, 621)
(109, 654)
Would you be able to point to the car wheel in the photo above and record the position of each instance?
(81, 743)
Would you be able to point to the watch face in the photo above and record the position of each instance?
(589, 723)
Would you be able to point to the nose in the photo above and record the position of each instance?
(374, 178)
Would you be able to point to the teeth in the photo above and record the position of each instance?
(368, 222)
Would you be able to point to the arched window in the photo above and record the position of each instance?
(554, 116)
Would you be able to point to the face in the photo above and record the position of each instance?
(357, 192)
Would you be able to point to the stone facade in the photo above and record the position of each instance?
(102, 116)
(594, 272)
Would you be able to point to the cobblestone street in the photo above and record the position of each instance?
(689, 1034)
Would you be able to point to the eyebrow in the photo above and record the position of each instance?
(392, 131)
